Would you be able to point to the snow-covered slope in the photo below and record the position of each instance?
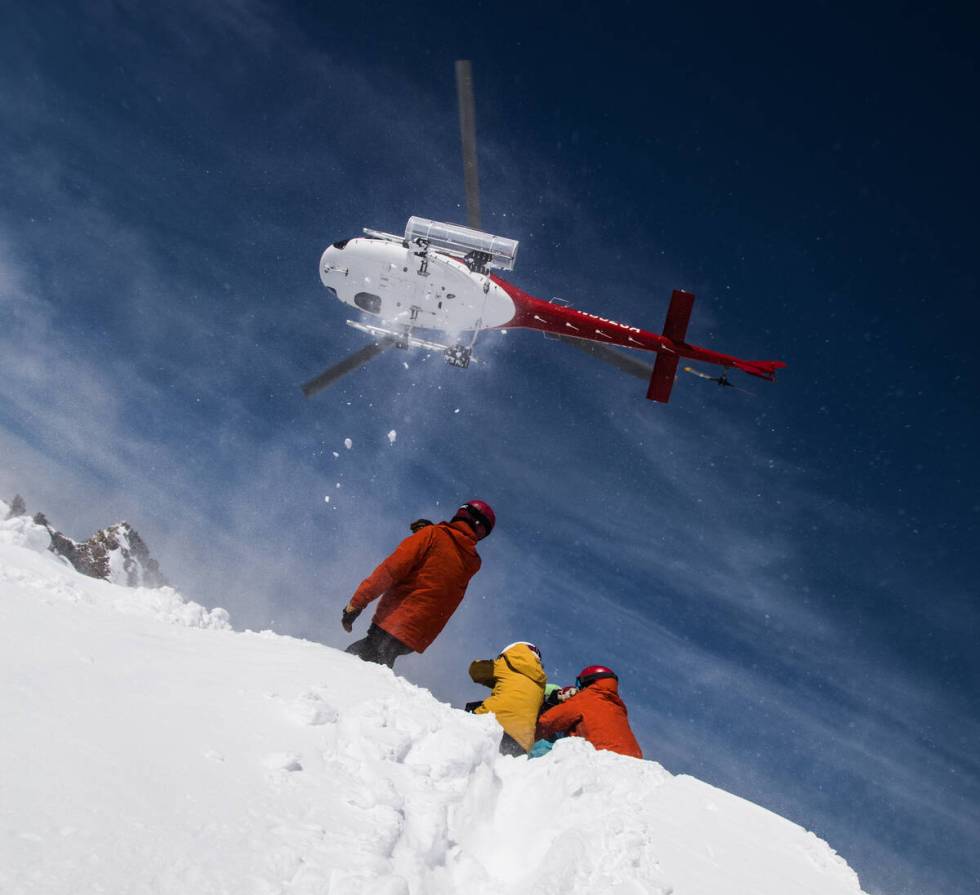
(147, 747)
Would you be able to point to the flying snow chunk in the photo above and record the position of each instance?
(456, 410)
(392, 435)
(348, 443)
(326, 498)
(335, 454)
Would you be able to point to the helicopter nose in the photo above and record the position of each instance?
(331, 265)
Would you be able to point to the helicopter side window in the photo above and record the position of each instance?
(368, 302)
(342, 244)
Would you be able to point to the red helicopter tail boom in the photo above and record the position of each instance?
(670, 344)
(764, 369)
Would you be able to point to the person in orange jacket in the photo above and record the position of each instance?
(595, 712)
(420, 585)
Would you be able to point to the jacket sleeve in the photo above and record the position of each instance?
(481, 672)
(561, 719)
(396, 567)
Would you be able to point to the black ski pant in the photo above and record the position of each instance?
(510, 746)
(380, 647)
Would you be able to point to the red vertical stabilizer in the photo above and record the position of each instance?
(678, 315)
(662, 380)
(675, 329)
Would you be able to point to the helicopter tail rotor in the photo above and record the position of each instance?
(722, 380)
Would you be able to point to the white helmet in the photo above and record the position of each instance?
(526, 643)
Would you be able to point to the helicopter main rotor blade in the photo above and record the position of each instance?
(638, 368)
(467, 133)
(348, 365)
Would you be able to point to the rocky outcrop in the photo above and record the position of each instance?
(117, 553)
(17, 507)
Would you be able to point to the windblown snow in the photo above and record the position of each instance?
(148, 747)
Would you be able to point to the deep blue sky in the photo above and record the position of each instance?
(786, 581)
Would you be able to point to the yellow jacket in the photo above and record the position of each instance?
(518, 680)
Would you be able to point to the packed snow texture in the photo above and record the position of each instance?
(142, 756)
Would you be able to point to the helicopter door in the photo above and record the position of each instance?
(418, 304)
(397, 292)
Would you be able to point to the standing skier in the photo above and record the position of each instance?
(422, 583)
(595, 712)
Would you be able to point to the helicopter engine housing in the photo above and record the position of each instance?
(454, 239)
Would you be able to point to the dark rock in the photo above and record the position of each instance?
(17, 507)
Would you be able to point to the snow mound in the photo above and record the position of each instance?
(21, 531)
(26, 558)
(176, 758)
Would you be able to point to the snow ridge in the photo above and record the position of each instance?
(186, 757)
(161, 602)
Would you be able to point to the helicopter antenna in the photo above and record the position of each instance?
(467, 133)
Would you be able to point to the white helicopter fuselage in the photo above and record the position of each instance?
(402, 290)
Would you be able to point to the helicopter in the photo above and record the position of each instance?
(441, 277)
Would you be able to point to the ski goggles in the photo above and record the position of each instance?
(582, 682)
(477, 516)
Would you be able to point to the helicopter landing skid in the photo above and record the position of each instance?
(456, 355)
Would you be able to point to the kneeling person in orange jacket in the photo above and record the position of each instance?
(518, 680)
(422, 583)
(595, 712)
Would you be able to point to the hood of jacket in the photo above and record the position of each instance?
(607, 688)
(463, 537)
(520, 659)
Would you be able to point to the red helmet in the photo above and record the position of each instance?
(592, 673)
(478, 511)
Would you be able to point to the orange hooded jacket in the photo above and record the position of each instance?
(423, 582)
(595, 713)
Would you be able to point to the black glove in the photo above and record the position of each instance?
(419, 524)
(349, 617)
(472, 706)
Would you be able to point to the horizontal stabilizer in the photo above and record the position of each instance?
(678, 315)
(662, 380)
